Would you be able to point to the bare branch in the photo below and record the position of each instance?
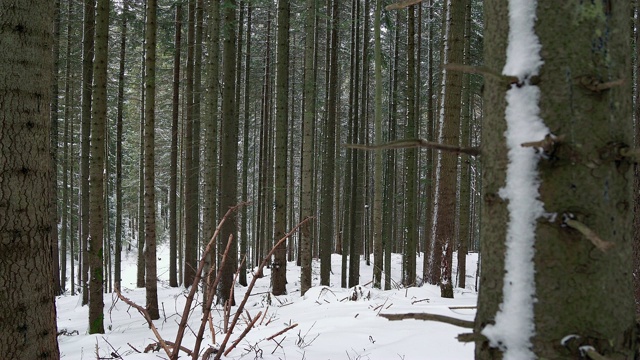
(591, 235)
(282, 331)
(417, 143)
(244, 333)
(430, 317)
(146, 316)
(482, 70)
(253, 283)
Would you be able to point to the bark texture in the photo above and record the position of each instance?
(580, 289)
(27, 308)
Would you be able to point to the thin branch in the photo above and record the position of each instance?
(146, 316)
(253, 282)
(481, 70)
(401, 4)
(244, 333)
(604, 246)
(430, 317)
(417, 143)
(282, 331)
(196, 280)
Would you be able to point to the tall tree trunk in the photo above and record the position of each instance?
(88, 31)
(636, 189)
(209, 208)
(96, 169)
(446, 164)
(307, 153)
(355, 208)
(228, 152)
(190, 183)
(573, 287)
(140, 275)
(279, 268)
(464, 203)
(244, 236)
(378, 173)
(28, 326)
(58, 289)
(411, 159)
(327, 215)
(119, 133)
(173, 167)
(151, 278)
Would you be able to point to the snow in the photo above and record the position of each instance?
(514, 323)
(330, 326)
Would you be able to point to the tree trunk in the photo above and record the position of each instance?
(173, 167)
(584, 183)
(307, 152)
(119, 133)
(28, 326)
(378, 175)
(140, 274)
(151, 278)
(190, 183)
(228, 153)
(411, 162)
(449, 133)
(58, 289)
(244, 242)
(279, 267)
(96, 170)
(87, 81)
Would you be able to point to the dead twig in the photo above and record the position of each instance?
(146, 316)
(244, 333)
(253, 282)
(430, 317)
(417, 143)
(196, 280)
(282, 331)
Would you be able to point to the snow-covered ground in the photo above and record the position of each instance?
(330, 325)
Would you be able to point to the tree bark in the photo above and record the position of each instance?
(28, 313)
(279, 267)
(96, 170)
(578, 289)
(173, 166)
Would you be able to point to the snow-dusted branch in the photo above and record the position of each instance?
(417, 143)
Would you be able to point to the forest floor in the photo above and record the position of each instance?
(330, 324)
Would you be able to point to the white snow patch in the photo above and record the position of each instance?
(514, 323)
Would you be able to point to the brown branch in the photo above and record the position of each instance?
(604, 246)
(470, 337)
(253, 282)
(417, 143)
(401, 4)
(207, 308)
(430, 317)
(146, 316)
(244, 333)
(196, 280)
(482, 70)
(282, 331)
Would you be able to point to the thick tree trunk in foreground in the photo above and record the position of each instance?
(27, 308)
(579, 289)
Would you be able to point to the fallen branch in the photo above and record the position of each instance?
(253, 283)
(146, 316)
(282, 331)
(402, 4)
(430, 317)
(417, 143)
(244, 333)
